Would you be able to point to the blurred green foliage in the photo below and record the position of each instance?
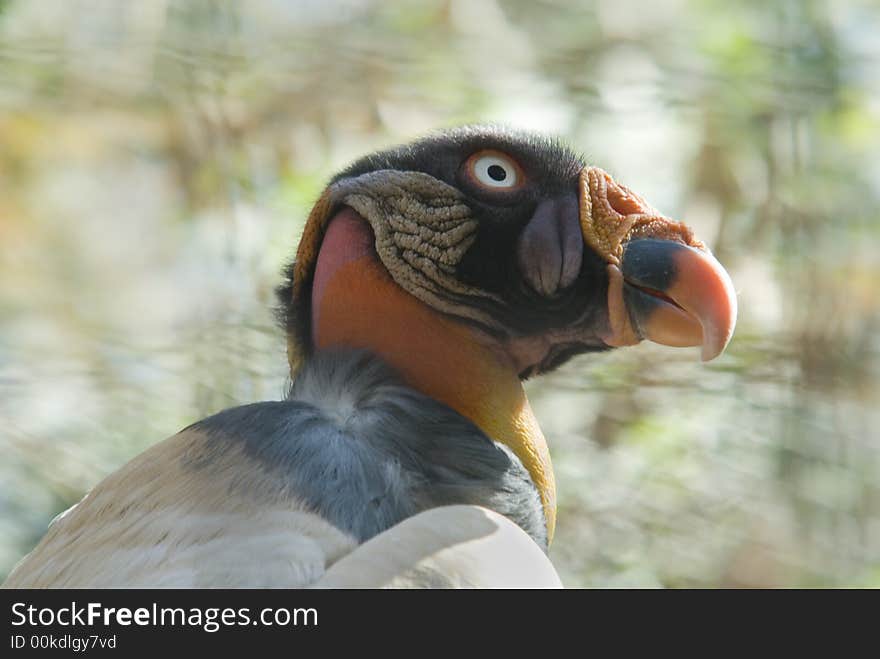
(157, 160)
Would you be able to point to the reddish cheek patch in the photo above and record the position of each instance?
(347, 239)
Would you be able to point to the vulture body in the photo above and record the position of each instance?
(429, 282)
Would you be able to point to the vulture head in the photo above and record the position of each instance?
(478, 257)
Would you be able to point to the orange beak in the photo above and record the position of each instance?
(663, 284)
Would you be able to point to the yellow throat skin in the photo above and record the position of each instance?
(377, 283)
(362, 307)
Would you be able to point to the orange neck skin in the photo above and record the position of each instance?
(357, 304)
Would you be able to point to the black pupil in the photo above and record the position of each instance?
(497, 172)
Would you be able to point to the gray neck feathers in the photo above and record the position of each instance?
(365, 451)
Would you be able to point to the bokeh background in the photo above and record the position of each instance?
(158, 158)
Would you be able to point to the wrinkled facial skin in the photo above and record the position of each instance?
(513, 235)
(574, 311)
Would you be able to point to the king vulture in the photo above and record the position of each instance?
(430, 281)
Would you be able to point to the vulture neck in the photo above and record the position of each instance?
(356, 303)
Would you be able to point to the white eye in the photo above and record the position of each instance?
(494, 170)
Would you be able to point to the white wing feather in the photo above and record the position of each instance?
(449, 547)
(159, 522)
